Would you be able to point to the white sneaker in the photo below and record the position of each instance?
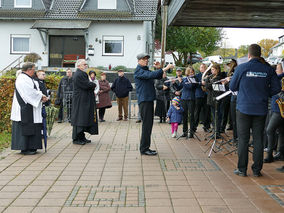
(175, 132)
(173, 135)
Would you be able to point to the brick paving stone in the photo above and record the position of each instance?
(131, 209)
(215, 209)
(160, 209)
(22, 209)
(46, 210)
(25, 202)
(75, 210)
(179, 209)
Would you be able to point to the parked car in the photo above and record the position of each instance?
(215, 58)
(195, 58)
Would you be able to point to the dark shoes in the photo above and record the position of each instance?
(190, 135)
(278, 156)
(280, 169)
(79, 142)
(29, 152)
(268, 160)
(86, 140)
(184, 134)
(138, 121)
(59, 121)
(257, 174)
(239, 173)
(119, 119)
(102, 120)
(149, 152)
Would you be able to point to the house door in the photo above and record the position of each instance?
(65, 50)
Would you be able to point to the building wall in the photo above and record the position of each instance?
(134, 33)
(18, 27)
(132, 45)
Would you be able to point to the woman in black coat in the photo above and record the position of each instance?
(162, 97)
(212, 94)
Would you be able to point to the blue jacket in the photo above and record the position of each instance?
(188, 90)
(121, 87)
(175, 115)
(255, 83)
(274, 105)
(144, 81)
(199, 93)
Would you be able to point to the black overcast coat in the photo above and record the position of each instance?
(83, 104)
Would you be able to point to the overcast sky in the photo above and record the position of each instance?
(242, 36)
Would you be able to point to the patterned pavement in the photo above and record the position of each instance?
(110, 176)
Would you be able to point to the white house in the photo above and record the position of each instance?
(278, 49)
(105, 32)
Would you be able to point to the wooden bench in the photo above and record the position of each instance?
(71, 59)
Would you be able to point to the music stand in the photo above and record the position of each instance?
(191, 80)
(220, 88)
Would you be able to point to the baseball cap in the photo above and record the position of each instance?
(142, 55)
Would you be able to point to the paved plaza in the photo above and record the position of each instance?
(110, 176)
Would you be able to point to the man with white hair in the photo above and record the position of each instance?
(83, 118)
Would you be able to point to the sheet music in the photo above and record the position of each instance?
(191, 80)
(219, 87)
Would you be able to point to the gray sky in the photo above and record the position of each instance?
(243, 36)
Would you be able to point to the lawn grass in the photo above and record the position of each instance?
(5, 140)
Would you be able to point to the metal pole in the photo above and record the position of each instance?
(129, 106)
(164, 33)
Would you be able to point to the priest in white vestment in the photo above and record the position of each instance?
(26, 112)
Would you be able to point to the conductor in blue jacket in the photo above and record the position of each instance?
(146, 94)
(255, 82)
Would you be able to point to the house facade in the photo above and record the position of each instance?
(105, 32)
(278, 49)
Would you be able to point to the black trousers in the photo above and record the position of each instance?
(245, 123)
(202, 107)
(226, 112)
(146, 109)
(275, 122)
(233, 118)
(189, 107)
(102, 113)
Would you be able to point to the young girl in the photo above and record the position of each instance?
(175, 115)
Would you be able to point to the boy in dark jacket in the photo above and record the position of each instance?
(121, 87)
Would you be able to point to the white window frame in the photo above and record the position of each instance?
(111, 38)
(22, 6)
(102, 6)
(12, 43)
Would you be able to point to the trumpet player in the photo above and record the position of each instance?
(276, 121)
(255, 82)
(215, 77)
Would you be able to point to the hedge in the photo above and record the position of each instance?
(7, 86)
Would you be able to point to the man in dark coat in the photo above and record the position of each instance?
(83, 117)
(64, 93)
(121, 87)
(146, 94)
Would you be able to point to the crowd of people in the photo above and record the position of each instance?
(192, 98)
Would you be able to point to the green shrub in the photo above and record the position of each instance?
(121, 67)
